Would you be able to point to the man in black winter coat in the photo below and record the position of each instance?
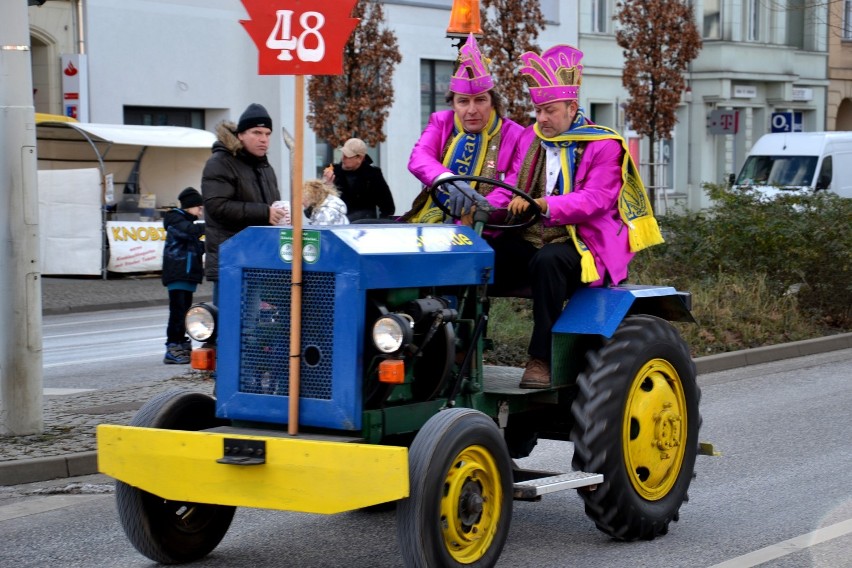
(238, 184)
(361, 185)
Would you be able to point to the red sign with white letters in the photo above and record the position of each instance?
(300, 37)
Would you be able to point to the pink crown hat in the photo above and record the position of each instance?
(555, 75)
(472, 77)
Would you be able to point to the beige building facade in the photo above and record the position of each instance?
(839, 105)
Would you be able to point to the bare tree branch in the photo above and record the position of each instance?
(356, 103)
(511, 28)
(660, 38)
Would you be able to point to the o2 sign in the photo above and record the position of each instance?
(786, 122)
(300, 37)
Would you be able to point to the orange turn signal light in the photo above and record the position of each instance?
(204, 359)
(392, 371)
(464, 19)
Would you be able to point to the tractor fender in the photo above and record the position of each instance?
(600, 310)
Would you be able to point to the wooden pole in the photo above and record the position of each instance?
(296, 276)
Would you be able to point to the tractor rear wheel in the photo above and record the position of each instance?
(460, 504)
(172, 532)
(636, 421)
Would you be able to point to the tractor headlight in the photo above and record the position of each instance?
(391, 333)
(201, 322)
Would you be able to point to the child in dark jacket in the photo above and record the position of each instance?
(182, 270)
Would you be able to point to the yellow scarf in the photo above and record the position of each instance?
(633, 203)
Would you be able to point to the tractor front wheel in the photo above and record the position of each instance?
(172, 532)
(460, 504)
(636, 421)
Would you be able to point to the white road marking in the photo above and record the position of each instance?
(124, 318)
(103, 359)
(44, 504)
(61, 391)
(791, 546)
(97, 332)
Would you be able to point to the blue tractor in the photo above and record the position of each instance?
(395, 405)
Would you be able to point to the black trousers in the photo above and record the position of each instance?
(179, 302)
(552, 273)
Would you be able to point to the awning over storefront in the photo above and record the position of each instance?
(142, 168)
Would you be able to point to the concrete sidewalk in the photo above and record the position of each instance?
(86, 294)
(67, 446)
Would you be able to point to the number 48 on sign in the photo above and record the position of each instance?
(300, 37)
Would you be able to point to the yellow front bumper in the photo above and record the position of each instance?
(299, 474)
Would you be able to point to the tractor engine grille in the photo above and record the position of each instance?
(265, 333)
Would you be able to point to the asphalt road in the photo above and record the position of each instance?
(781, 494)
(105, 349)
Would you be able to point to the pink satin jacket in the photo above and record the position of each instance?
(592, 206)
(426, 161)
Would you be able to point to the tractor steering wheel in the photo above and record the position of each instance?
(533, 212)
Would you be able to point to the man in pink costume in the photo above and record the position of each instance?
(584, 181)
(471, 139)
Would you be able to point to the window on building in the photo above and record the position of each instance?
(161, 116)
(434, 84)
(600, 16)
(753, 20)
(712, 19)
(326, 154)
(847, 20)
(603, 114)
(796, 24)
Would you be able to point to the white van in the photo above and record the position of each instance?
(799, 161)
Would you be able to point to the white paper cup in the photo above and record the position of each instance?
(285, 205)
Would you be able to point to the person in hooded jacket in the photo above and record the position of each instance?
(238, 184)
(182, 270)
(324, 203)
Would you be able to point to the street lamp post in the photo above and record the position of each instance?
(20, 277)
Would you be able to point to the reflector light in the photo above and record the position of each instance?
(392, 371)
(204, 359)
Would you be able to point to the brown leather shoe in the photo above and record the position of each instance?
(536, 375)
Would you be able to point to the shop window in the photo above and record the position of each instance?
(163, 116)
(327, 154)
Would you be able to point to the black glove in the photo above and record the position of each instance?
(461, 197)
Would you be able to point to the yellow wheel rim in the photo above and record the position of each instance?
(654, 430)
(470, 504)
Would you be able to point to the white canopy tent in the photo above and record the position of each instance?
(141, 171)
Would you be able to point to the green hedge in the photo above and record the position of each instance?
(760, 273)
(798, 245)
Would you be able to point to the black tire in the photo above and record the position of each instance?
(634, 398)
(172, 532)
(458, 464)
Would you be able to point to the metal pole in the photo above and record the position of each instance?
(20, 276)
